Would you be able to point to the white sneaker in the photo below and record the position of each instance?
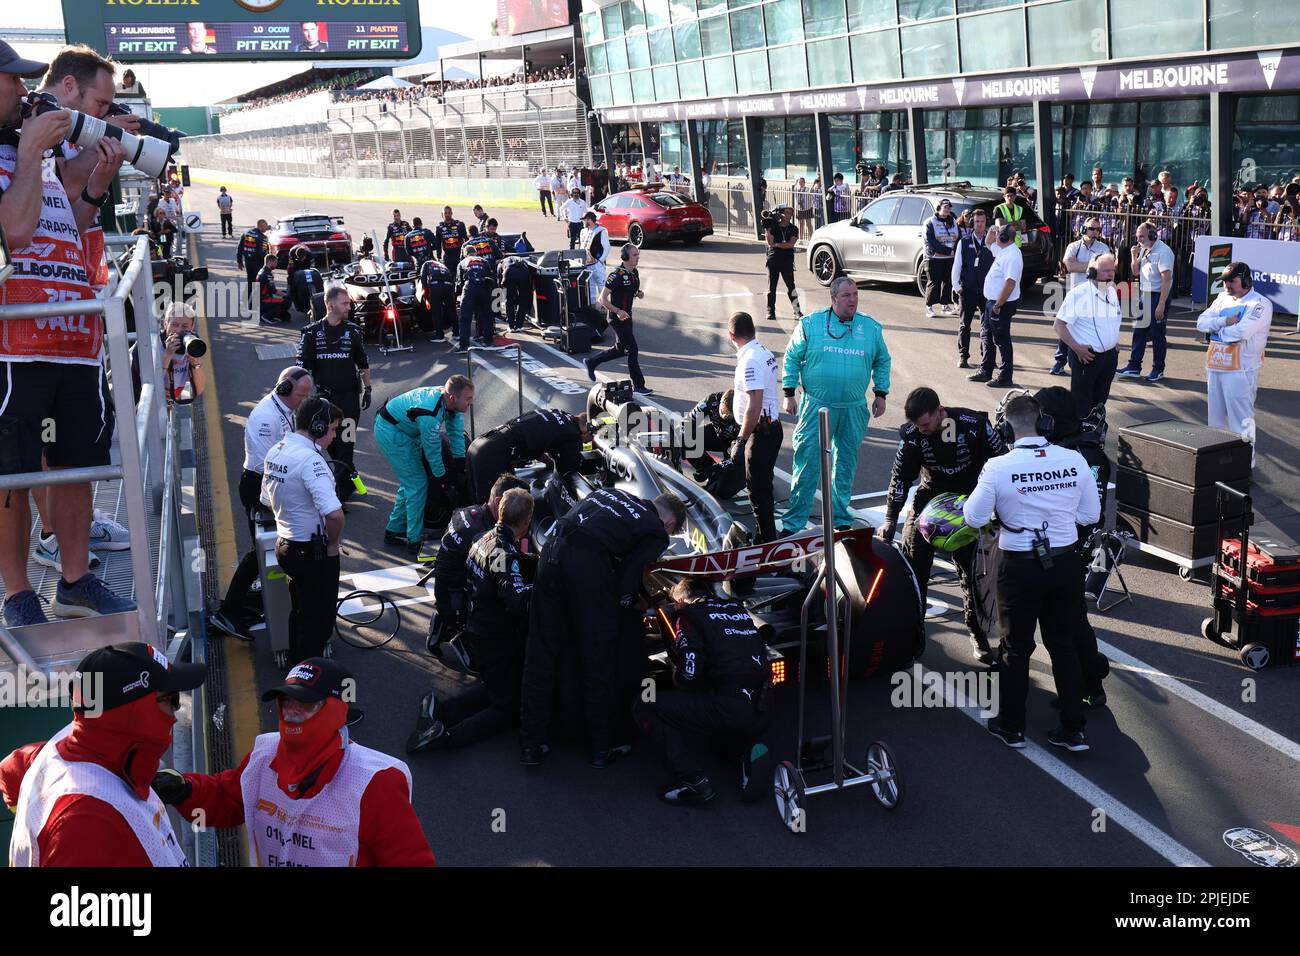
(107, 535)
(929, 312)
(47, 553)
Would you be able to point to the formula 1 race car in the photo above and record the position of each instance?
(383, 297)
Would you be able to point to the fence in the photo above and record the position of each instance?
(1119, 232)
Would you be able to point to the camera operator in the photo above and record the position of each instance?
(334, 352)
(180, 349)
(780, 233)
(51, 369)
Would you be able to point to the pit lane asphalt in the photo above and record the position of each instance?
(1178, 746)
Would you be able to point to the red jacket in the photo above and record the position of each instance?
(390, 832)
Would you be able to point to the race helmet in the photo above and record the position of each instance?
(943, 524)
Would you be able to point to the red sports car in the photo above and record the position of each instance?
(653, 214)
(329, 242)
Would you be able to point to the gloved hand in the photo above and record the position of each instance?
(886, 531)
(365, 398)
(172, 787)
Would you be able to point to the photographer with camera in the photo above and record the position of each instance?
(51, 369)
(780, 233)
(180, 349)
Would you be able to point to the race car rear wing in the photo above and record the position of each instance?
(785, 554)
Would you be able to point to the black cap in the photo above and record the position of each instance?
(11, 62)
(316, 678)
(134, 670)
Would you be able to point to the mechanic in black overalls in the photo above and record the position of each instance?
(720, 667)
(437, 299)
(622, 289)
(499, 586)
(448, 236)
(304, 280)
(475, 280)
(543, 431)
(588, 582)
(711, 426)
(395, 238)
(419, 243)
(517, 280)
(334, 352)
(946, 448)
(251, 254)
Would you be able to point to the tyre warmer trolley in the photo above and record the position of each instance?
(880, 769)
(1255, 587)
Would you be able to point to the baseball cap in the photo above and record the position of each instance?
(315, 679)
(134, 670)
(11, 62)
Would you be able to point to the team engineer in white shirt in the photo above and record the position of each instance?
(756, 409)
(1088, 322)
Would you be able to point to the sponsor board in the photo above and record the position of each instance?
(1274, 267)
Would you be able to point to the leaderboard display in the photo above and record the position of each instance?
(257, 40)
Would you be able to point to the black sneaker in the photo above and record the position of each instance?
(1072, 740)
(689, 793)
(225, 623)
(980, 376)
(1012, 738)
(980, 648)
(461, 350)
(755, 773)
(591, 372)
(964, 363)
(392, 537)
(643, 390)
(532, 756)
(603, 758)
(1000, 383)
(433, 737)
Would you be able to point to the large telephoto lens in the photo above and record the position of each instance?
(145, 153)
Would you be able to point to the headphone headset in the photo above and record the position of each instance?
(1092, 267)
(1239, 271)
(283, 389)
(321, 416)
(1044, 425)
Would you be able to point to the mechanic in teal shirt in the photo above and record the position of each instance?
(408, 427)
(835, 355)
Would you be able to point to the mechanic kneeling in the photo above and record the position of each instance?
(544, 431)
(720, 667)
(712, 426)
(499, 578)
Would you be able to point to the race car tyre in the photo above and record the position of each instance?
(825, 265)
(888, 787)
(788, 784)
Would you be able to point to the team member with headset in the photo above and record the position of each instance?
(1042, 493)
(1153, 264)
(756, 395)
(622, 288)
(1077, 261)
(970, 267)
(298, 487)
(269, 421)
(1088, 322)
(334, 351)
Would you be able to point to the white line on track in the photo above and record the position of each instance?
(721, 295)
(1132, 821)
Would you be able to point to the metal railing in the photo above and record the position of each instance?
(1119, 231)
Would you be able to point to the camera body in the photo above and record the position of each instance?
(145, 153)
(769, 219)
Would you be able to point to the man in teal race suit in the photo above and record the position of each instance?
(409, 426)
(835, 354)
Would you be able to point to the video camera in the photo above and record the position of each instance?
(146, 153)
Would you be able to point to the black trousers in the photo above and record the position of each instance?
(451, 259)
(624, 344)
(486, 458)
(706, 439)
(254, 287)
(476, 310)
(500, 659)
(548, 204)
(781, 268)
(938, 289)
(451, 604)
(314, 592)
(574, 610)
(250, 490)
(341, 450)
(227, 224)
(920, 554)
(575, 233)
(1090, 384)
(1050, 599)
(972, 303)
(675, 719)
(437, 312)
(995, 339)
(761, 452)
(519, 302)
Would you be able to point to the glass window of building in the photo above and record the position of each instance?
(747, 29)
(643, 86)
(875, 56)
(1266, 139)
(638, 52)
(1181, 28)
(1238, 23)
(771, 148)
(1183, 150)
(784, 20)
(1065, 32)
(866, 14)
(789, 67)
(844, 143)
(621, 85)
(721, 76)
(681, 10)
(909, 10)
(690, 78)
(656, 14)
(1190, 111)
(715, 36)
(591, 28)
(666, 83)
(828, 62)
(600, 91)
(672, 146)
(800, 148)
(994, 41)
(708, 8)
(751, 72)
(612, 20)
(633, 15)
(930, 49)
(661, 47)
(687, 38)
(823, 18)
(978, 6)
(616, 54)
(596, 59)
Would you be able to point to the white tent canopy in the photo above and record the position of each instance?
(386, 83)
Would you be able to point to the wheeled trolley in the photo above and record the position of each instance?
(879, 768)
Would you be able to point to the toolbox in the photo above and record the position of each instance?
(1172, 499)
(1193, 455)
(1175, 537)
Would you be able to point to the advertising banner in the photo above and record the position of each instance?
(1274, 266)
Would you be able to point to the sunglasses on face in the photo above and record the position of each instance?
(1093, 229)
